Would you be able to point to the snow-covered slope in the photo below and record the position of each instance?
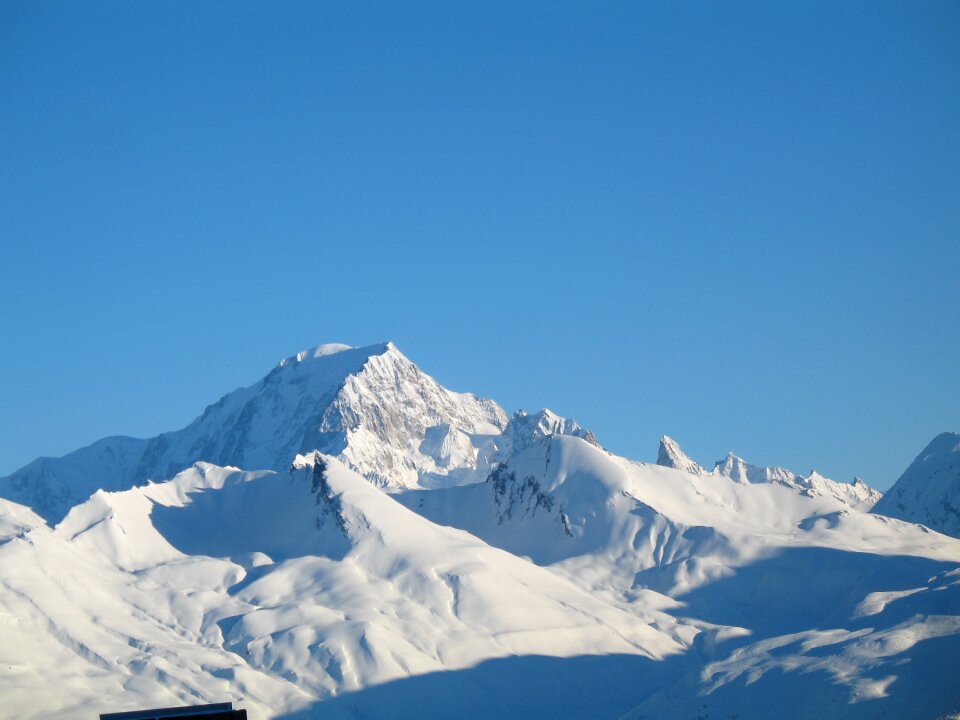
(891, 654)
(16, 519)
(645, 526)
(857, 494)
(277, 591)
(370, 406)
(302, 592)
(396, 550)
(773, 578)
(928, 492)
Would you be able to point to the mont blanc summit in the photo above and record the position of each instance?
(371, 407)
(347, 538)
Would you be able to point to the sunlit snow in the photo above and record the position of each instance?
(392, 549)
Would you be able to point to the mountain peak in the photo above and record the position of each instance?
(526, 429)
(857, 495)
(944, 444)
(369, 406)
(670, 455)
(928, 492)
(736, 468)
(328, 349)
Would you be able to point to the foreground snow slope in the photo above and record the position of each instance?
(893, 654)
(371, 407)
(928, 492)
(276, 591)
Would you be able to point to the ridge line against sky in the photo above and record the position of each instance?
(736, 225)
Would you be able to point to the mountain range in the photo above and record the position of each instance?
(347, 538)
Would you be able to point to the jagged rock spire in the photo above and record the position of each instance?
(670, 455)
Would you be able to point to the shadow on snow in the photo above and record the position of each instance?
(529, 687)
(798, 589)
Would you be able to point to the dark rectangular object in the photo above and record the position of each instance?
(217, 711)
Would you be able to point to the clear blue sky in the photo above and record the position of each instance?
(735, 223)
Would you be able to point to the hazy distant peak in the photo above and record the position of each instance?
(857, 495)
(946, 443)
(928, 492)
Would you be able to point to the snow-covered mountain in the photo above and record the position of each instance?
(797, 582)
(391, 549)
(280, 588)
(928, 492)
(645, 526)
(371, 407)
(857, 494)
(670, 455)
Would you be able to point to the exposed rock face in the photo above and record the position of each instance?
(398, 426)
(510, 495)
(928, 492)
(525, 430)
(329, 502)
(670, 455)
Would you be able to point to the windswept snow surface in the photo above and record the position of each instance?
(392, 549)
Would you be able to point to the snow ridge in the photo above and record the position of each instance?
(857, 494)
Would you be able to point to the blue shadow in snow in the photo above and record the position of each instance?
(530, 687)
(806, 588)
